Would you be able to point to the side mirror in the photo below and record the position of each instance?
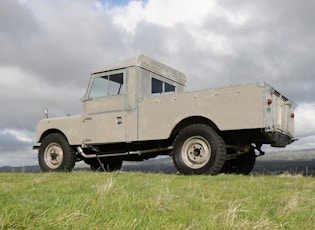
(45, 111)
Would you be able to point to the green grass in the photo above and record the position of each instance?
(120, 200)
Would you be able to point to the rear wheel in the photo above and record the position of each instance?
(55, 154)
(198, 149)
(244, 164)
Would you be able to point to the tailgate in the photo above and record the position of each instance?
(279, 117)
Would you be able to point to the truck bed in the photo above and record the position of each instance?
(244, 107)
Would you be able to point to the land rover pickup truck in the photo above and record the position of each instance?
(139, 109)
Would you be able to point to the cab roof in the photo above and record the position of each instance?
(148, 64)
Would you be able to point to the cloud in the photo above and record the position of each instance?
(12, 140)
(23, 97)
(305, 119)
(16, 148)
(18, 157)
(48, 49)
(304, 127)
(17, 22)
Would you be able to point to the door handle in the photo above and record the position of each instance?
(118, 120)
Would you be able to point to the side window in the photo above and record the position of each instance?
(157, 86)
(169, 88)
(116, 82)
(160, 87)
(99, 87)
(110, 85)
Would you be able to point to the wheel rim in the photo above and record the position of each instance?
(196, 152)
(53, 155)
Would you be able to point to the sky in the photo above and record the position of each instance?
(48, 48)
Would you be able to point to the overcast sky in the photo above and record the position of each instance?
(48, 48)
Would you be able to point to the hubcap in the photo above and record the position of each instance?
(196, 152)
(53, 155)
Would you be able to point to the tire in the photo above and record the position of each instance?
(198, 149)
(108, 166)
(243, 165)
(114, 166)
(55, 154)
(95, 166)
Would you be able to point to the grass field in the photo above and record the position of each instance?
(134, 200)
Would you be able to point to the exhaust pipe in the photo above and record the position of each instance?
(81, 152)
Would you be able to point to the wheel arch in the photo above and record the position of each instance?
(50, 131)
(190, 121)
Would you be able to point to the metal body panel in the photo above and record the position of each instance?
(131, 121)
(104, 120)
(233, 108)
(71, 127)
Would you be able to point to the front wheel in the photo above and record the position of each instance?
(55, 154)
(198, 149)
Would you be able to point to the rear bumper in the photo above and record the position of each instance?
(279, 139)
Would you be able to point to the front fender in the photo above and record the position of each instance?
(71, 127)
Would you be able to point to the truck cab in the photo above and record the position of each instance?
(114, 93)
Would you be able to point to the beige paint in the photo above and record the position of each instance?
(136, 117)
(232, 108)
(71, 127)
(149, 64)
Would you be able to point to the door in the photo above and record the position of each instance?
(104, 109)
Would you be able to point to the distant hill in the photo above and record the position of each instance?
(283, 155)
(294, 162)
(33, 168)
